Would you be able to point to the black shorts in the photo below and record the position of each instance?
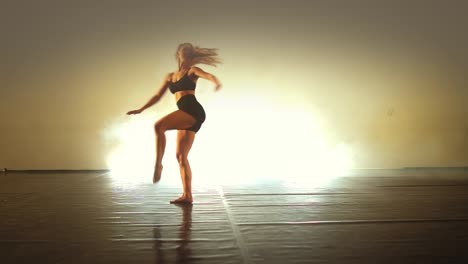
(189, 104)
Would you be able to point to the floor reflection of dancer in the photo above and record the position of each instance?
(190, 116)
(183, 250)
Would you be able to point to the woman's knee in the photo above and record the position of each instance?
(181, 158)
(159, 127)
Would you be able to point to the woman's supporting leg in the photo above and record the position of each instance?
(175, 120)
(185, 140)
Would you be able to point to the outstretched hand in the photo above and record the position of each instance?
(134, 112)
(217, 87)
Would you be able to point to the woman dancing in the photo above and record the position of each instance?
(190, 116)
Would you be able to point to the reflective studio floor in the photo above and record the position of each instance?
(370, 216)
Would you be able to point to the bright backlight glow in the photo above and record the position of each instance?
(241, 141)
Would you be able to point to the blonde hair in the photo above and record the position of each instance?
(197, 55)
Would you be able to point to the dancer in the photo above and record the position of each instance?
(190, 116)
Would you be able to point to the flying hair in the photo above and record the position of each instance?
(196, 55)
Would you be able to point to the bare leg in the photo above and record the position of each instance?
(160, 147)
(185, 140)
(175, 120)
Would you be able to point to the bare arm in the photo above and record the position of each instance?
(208, 76)
(155, 97)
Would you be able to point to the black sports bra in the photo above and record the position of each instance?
(183, 84)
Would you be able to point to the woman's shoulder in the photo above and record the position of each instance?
(194, 69)
(168, 76)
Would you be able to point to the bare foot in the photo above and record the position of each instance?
(183, 199)
(157, 173)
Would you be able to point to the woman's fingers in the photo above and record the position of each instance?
(133, 112)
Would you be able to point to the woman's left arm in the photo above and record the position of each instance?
(208, 76)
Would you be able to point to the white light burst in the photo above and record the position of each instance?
(242, 140)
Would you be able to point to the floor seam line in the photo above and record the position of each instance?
(235, 229)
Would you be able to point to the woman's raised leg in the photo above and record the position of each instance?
(175, 120)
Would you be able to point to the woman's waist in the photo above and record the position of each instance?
(180, 94)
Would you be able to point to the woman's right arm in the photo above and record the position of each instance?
(155, 98)
(210, 77)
